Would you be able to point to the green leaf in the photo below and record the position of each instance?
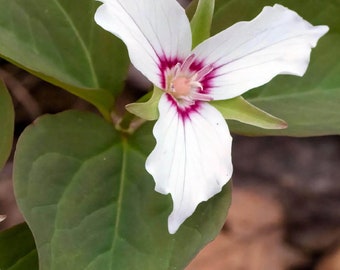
(146, 110)
(59, 41)
(17, 249)
(6, 124)
(241, 110)
(91, 204)
(310, 104)
(201, 21)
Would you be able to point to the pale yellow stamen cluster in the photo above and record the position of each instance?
(184, 85)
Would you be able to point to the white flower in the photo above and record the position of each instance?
(192, 157)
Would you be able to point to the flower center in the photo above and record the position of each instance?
(185, 85)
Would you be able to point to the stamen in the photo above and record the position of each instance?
(187, 62)
(196, 84)
(177, 69)
(204, 71)
(201, 96)
(188, 99)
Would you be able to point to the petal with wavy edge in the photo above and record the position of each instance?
(152, 30)
(192, 157)
(250, 54)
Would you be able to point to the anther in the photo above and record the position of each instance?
(204, 71)
(188, 61)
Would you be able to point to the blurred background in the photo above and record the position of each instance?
(285, 213)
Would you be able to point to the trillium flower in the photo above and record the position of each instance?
(192, 157)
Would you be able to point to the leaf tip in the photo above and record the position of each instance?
(283, 124)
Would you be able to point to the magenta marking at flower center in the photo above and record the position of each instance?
(189, 68)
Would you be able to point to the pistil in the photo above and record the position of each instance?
(180, 86)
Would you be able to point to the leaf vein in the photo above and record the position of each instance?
(81, 42)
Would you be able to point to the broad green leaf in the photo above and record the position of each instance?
(241, 110)
(201, 21)
(6, 124)
(91, 204)
(17, 249)
(147, 110)
(59, 41)
(310, 105)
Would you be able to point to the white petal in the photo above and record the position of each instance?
(192, 157)
(250, 54)
(151, 30)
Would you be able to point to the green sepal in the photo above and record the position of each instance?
(6, 124)
(146, 110)
(241, 110)
(201, 21)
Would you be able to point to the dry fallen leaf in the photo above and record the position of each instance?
(253, 240)
(2, 217)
